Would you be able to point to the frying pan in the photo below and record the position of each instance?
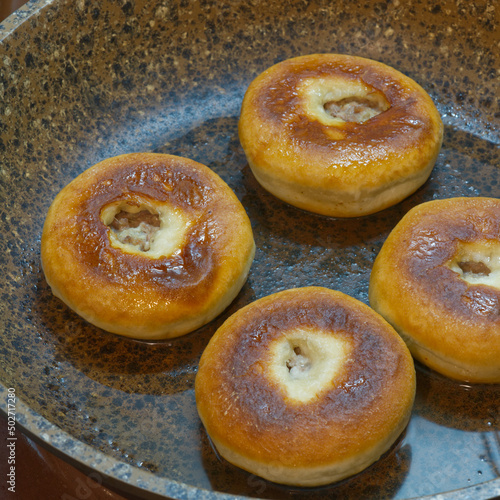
(83, 80)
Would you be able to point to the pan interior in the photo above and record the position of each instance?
(83, 81)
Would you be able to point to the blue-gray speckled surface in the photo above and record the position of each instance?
(87, 79)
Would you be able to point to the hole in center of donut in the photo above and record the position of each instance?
(477, 263)
(298, 364)
(355, 109)
(136, 228)
(147, 227)
(304, 361)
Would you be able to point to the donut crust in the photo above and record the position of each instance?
(450, 323)
(328, 165)
(343, 427)
(133, 293)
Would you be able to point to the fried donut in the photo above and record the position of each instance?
(437, 281)
(339, 135)
(305, 387)
(145, 245)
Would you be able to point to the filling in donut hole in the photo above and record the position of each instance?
(304, 362)
(136, 229)
(478, 263)
(335, 100)
(298, 364)
(145, 228)
(355, 109)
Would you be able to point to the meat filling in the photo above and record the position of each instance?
(298, 364)
(137, 229)
(472, 267)
(354, 109)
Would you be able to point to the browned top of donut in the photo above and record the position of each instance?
(135, 180)
(400, 124)
(274, 112)
(216, 237)
(443, 258)
(238, 397)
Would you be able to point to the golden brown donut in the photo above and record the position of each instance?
(305, 387)
(146, 245)
(339, 135)
(437, 281)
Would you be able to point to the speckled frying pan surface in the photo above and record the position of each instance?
(83, 80)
